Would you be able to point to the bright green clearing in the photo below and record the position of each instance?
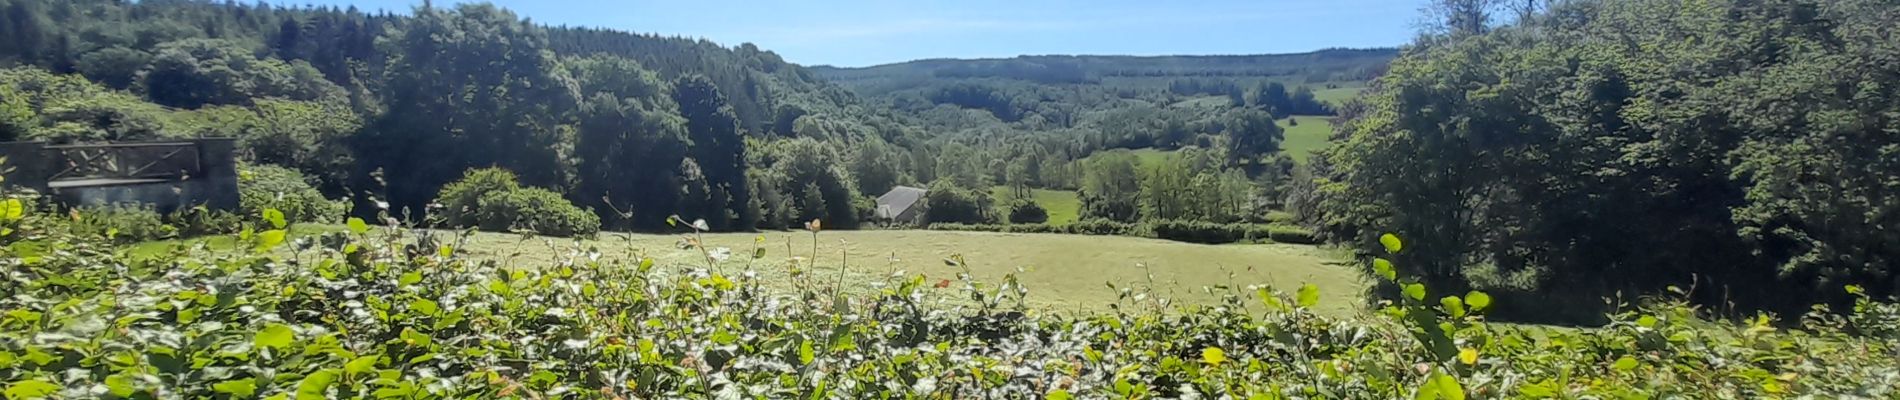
(1062, 272)
(1313, 133)
(1063, 206)
(1337, 96)
(1151, 156)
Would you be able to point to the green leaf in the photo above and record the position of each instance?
(1058, 394)
(240, 388)
(1477, 300)
(805, 353)
(357, 225)
(270, 239)
(314, 385)
(1392, 243)
(275, 336)
(1267, 297)
(1625, 364)
(409, 278)
(1308, 296)
(1384, 269)
(121, 385)
(360, 365)
(1213, 356)
(33, 389)
(1646, 321)
(425, 306)
(1454, 306)
(275, 218)
(1441, 387)
(12, 210)
(1415, 291)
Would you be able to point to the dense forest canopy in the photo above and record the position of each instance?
(1745, 151)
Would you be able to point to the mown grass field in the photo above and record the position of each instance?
(1312, 133)
(1063, 273)
(1063, 206)
(1337, 96)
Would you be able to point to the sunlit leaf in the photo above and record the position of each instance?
(1625, 364)
(1392, 243)
(314, 385)
(357, 225)
(1309, 295)
(1384, 269)
(12, 210)
(238, 388)
(1415, 291)
(270, 239)
(1213, 356)
(1468, 356)
(274, 336)
(1453, 306)
(275, 218)
(31, 389)
(1477, 300)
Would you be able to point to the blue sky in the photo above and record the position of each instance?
(868, 32)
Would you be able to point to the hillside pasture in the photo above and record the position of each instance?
(1063, 273)
(1063, 205)
(1313, 133)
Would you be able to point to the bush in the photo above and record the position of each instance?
(950, 202)
(1099, 226)
(1027, 212)
(1291, 234)
(200, 221)
(491, 200)
(1198, 231)
(264, 187)
(1279, 217)
(120, 223)
(461, 200)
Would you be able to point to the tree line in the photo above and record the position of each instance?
(633, 127)
(1743, 152)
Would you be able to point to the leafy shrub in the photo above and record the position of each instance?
(1098, 226)
(1279, 217)
(461, 200)
(1197, 231)
(244, 324)
(267, 187)
(1027, 212)
(949, 202)
(1291, 234)
(200, 221)
(120, 223)
(536, 210)
(491, 199)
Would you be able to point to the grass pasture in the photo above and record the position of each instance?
(1063, 205)
(1337, 96)
(1313, 133)
(1063, 273)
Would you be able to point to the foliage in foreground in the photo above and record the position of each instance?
(394, 313)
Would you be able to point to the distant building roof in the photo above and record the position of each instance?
(900, 203)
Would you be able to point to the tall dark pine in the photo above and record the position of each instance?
(719, 149)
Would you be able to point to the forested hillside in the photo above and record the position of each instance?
(1053, 122)
(638, 127)
(617, 122)
(1744, 152)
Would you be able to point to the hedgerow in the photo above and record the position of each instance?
(392, 312)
